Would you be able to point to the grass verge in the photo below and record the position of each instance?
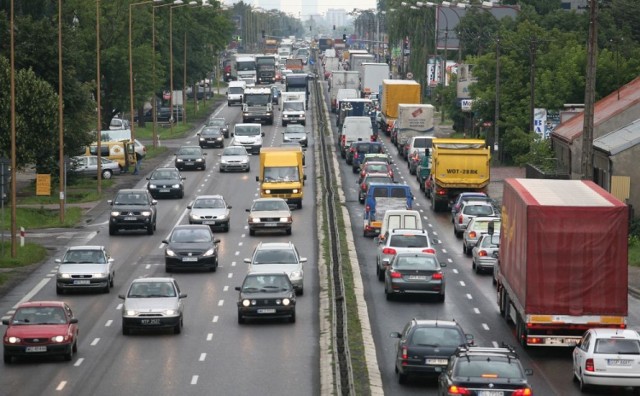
(634, 251)
(35, 218)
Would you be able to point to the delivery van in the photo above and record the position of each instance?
(235, 92)
(400, 218)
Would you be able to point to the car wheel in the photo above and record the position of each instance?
(380, 273)
(177, 329)
(227, 227)
(288, 231)
(249, 169)
(69, 354)
(387, 295)
(75, 345)
(583, 387)
(458, 234)
(402, 378)
(112, 230)
(111, 282)
(441, 297)
(300, 204)
(292, 318)
(106, 289)
(240, 318)
(125, 330)
(150, 229)
(252, 232)
(59, 290)
(8, 359)
(167, 269)
(181, 195)
(300, 291)
(106, 174)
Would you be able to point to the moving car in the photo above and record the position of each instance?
(132, 209)
(295, 133)
(87, 165)
(268, 214)
(153, 303)
(477, 226)
(166, 182)
(469, 210)
(278, 257)
(485, 253)
(424, 347)
(190, 157)
(85, 267)
(400, 240)
(234, 158)
(266, 295)
(40, 328)
(414, 273)
(375, 167)
(211, 137)
(191, 247)
(219, 122)
(211, 210)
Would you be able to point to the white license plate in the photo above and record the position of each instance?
(417, 277)
(36, 349)
(164, 190)
(189, 259)
(82, 282)
(130, 218)
(209, 222)
(150, 321)
(267, 311)
(619, 362)
(440, 362)
(271, 224)
(490, 393)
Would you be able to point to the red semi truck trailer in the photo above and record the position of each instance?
(563, 260)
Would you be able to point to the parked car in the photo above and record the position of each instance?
(153, 303)
(424, 347)
(211, 210)
(85, 268)
(414, 273)
(397, 241)
(166, 182)
(132, 209)
(87, 165)
(477, 226)
(40, 328)
(218, 122)
(191, 246)
(486, 252)
(190, 157)
(469, 210)
(234, 158)
(211, 137)
(269, 257)
(266, 295)
(268, 214)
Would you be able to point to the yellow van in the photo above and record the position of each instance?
(122, 151)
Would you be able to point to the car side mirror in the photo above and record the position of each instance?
(216, 241)
(166, 242)
(154, 202)
(238, 288)
(110, 260)
(73, 320)
(386, 262)
(57, 261)
(5, 322)
(469, 338)
(262, 133)
(248, 210)
(229, 206)
(395, 334)
(110, 201)
(182, 295)
(247, 260)
(121, 296)
(147, 178)
(443, 264)
(303, 259)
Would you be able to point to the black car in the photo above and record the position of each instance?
(167, 182)
(221, 123)
(132, 209)
(191, 247)
(275, 95)
(266, 295)
(424, 347)
(190, 157)
(413, 274)
(476, 371)
(211, 137)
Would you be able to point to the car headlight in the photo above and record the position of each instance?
(194, 217)
(13, 340)
(285, 219)
(199, 160)
(202, 139)
(152, 186)
(224, 161)
(219, 138)
(267, 191)
(295, 191)
(170, 312)
(179, 160)
(284, 116)
(130, 312)
(295, 275)
(65, 276)
(170, 253)
(246, 303)
(58, 338)
(146, 213)
(209, 252)
(244, 161)
(115, 213)
(100, 275)
(286, 301)
(254, 219)
(177, 185)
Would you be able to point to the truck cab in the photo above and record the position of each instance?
(257, 105)
(281, 174)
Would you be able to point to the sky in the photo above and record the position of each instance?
(306, 7)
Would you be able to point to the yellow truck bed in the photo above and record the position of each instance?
(460, 163)
(395, 92)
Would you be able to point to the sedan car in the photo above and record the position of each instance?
(166, 182)
(191, 247)
(424, 347)
(400, 241)
(607, 357)
(211, 137)
(414, 273)
(87, 165)
(271, 257)
(153, 303)
(477, 226)
(369, 178)
(190, 157)
(375, 167)
(235, 158)
(266, 295)
(40, 328)
(221, 123)
(295, 133)
(268, 214)
(83, 268)
(211, 210)
(132, 209)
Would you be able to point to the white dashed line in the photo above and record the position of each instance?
(95, 342)
(202, 357)
(485, 326)
(194, 380)
(239, 243)
(109, 322)
(455, 271)
(237, 253)
(78, 362)
(220, 303)
(230, 275)
(444, 250)
(449, 260)
(469, 296)
(476, 310)
(148, 266)
(233, 263)
(119, 307)
(495, 344)
(50, 275)
(226, 288)
(215, 318)
(61, 385)
(462, 283)
(209, 336)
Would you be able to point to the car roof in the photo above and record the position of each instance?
(405, 231)
(154, 279)
(191, 226)
(482, 203)
(132, 190)
(618, 333)
(208, 196)
(275, 245)
(42, 304)
(435, 322)
(171, 168)
(268, 199)
(86, 247)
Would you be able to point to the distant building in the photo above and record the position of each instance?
(336, 16)
(574, 5)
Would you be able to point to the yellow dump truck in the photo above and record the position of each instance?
(282, 174)
(395, 92)
(457, 165)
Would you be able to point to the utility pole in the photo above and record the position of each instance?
(532, 82)
(589, 94)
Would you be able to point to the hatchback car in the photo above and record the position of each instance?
(271, 257)
(296, 134)
(607, 357)
(477, 226)
(485, 371)
(371, 178)
(191, 247)
(190, 157)
(359, 149)
(166, 182)
(414, 160)
(218, 122)
(266, 295)
(375, 167)
(87, 165)
(376, 157)
(485, 253)
(153, 303)
(85, 268)
(400, 241)
(40, 328)
(413, 274)
(211, 137)
(235, 158)
(425, 345)
(469, 210)
(463, 197)
(132, 209)
(268, 214)
(211, 210)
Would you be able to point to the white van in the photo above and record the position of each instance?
(235, 92)
(355, 128)
(346, 93)
(400, 218)
(419, 143)
(248, 135)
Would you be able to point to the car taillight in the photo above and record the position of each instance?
(388, 251)
(482, 253)
(405, 353)
(437, 276)
(429, 250)
(458, 390)
(352, 150)
(362, 174)
(391, 174)
(363, 186)
(523, 392)
(460, 218)
(395, 274)
(589, 366)
(472, 234)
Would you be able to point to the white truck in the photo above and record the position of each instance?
(244, 68)
(413, 120)
(293, 111)
(331, 64)
(343, 79)
(290, 96)
(358, 59)
(372, 76)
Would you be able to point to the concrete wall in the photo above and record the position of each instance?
(625, 163)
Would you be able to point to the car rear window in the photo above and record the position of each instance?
(617, 346)
(398, 193)
(488, 367)
(416, 263)
(408, 241)
(439, 336)
(422, 143)
(478, 210)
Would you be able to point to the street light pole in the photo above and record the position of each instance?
(98, 99)
(14, 247)
(61, 189)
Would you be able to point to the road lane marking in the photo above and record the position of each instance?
(455, 271)
(194, 380)
(61, 385)
(78, 362)
(33, 292)
(226, 288)
(237, 253)
(220, 303)
(485, 326)
(449, 260)
(147, 266)
(230, 275)
(95, 341)
(444, 250)
(51, 275)
(233, 263)
(240, 243)
(109, 322)
(119, 307)
(203, 356)
(495, 344)
(215, 319)
(462, 283)
(469, 296)
(209, 336)
(476, 310)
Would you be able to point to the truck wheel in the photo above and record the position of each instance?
(300, 204)
(521, 332)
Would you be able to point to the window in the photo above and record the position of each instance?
(488, 365)
(408, 241)
(416, 263)
(617, 346)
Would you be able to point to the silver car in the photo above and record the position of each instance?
(85, 267)
(211, 210)
(400, 241)
(153, 303)
(87, 165)
(485, 253)
(268, 214)
(469, 210)
(477, 226)
(275, 257)
(234, 158)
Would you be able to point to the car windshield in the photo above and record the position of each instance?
(617, 346)
(247, 130)
(209, 203)
(211, 132)
(408, 241)
(415, 263)
(151, 290)
(265, 283)
(493, 367)
(217, 122)
(164, 174)
(281, 173)
(235, 90)
(84, 257)
(275, 256)
(260, 206)
(39, 316)
(437, 337)
(234, 150)
(293, 106)
(190, 235)
(131, 199)
(257, 99)
(190, 151)
(294, 129)
(478, 210)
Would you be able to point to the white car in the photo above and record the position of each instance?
(87, 165)
(85, 267)
(274, 257)
(607, 357)
(234, 157)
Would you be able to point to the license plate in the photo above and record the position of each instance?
(82, 282)
(164, 190)
(209, 222)
(619, 362)
(267, 311)
(189, 259)
(36, 349)
(440, 362)
(490, 393)
(271, 224)
(130, 218)
(417, 277)
(150, 321)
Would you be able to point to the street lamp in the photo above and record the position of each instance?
(12, 78)
(61, 190)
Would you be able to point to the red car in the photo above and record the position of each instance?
(41, 328)
(375, 167)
